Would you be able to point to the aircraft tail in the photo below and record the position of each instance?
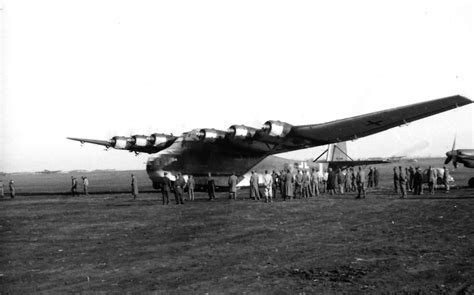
(337, 152)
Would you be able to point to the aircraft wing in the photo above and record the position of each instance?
(364, 125)
(105, 143)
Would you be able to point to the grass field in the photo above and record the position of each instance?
(109, 242)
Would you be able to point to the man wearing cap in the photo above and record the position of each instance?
(232, 186)
(166, 189)
(74, 186)
(179, 188)
(134, 186)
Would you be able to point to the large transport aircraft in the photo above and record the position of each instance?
(464, 156)
(240, 148)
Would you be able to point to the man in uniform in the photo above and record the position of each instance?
(371, 177)
(298, 184)
(431, 179)
(232, 186)
(376, 177)
(341, 180)
(85, 185)
(314, 183)
(411, 178)
(402, 178)
(331, 181)
(446, 179)
(2, 191)
(360, 180)
(395, 179)
(12, 189)
(289, 189)
(254, 193)
(268, 181)
(275, 183)
(190, 186)
(179, 189)
(166, 189)
(306, 184)
(74, 186)
(211, 187)
(134, 187)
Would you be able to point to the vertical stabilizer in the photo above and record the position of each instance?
(337, 152)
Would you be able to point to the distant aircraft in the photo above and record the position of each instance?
(337, 157)
(240, 148)
(464, 156)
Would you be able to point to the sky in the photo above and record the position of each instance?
(96, 69)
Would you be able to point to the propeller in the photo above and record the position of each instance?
(451, 155)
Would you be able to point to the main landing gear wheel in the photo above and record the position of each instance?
(471, 182)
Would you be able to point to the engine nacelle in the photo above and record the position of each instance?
(276, 128)
(120, 142)
(210, 134)
(157, 139)
(139, 140)
(240, 131)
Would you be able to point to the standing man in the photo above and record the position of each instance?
(299, 184)
(268, 181)
(360, 180)
(134, 186)
(332, 178)
(12, 189)
(2, 191)
(306, 184)
(276, 183)
(411, 178)
(314, 183)
(341, 180)
(190, 185)
(446, 179)
(395, 179)
(211, 187)
(166, 189)
(376, 177)
(232, 186)
(353, 180)
(85, 185)
(254, 193)
(179, 189)
(431, 179)
(289, 189)
(371, 177)
(74, 186)
(402, 177)
(418, 182)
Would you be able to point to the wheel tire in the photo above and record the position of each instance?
(471, 182)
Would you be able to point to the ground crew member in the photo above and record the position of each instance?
(166, 189)
(299, 184)
(178, 189)
(233, 186)
(134, 186)
(376, 177)
(306, 184)
(85, 185)
(402, 178)
(190, 185)
(211, 188)
(360, 180)
(314, 183)
(418, 182)
(446, 178)
(282, 183)
(325, 181)
(289, 188)
(12, 189)
(2, 191)
(395, 179)
(74, 186)
(353, 180)
(254, 193)
(268, 181)
(431, 180)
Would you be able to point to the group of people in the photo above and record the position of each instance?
(11, 187)
(85, 186)
(411, 179)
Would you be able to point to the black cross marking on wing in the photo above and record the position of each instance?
(370, 122)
